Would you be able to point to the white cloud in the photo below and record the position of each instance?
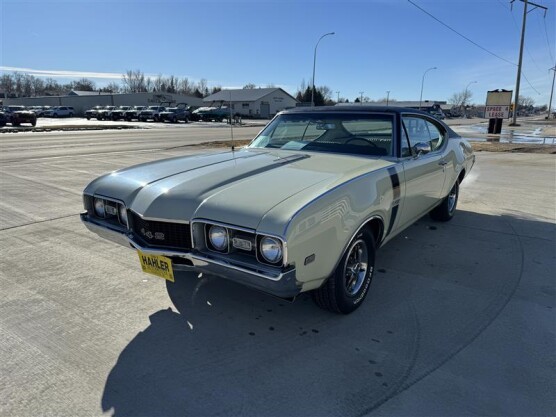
(64, 73)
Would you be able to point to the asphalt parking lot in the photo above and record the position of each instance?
(459, 320)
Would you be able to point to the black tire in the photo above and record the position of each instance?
(445, 211)
(344, 291)
(34, 123)
(88, 118)
(15, 124)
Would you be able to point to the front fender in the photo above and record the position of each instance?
(319, 232)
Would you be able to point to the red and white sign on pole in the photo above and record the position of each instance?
(497, 112)
(498, 104)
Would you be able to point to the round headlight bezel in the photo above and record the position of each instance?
(98, 206)
(223, 245)
(276, 245)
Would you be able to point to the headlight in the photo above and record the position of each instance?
(271, 249)
(122, 211)
(99, 207)
(218, 237)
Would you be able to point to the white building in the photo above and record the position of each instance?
(255, 102)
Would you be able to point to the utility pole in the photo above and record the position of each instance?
(361, 94)
(338, 94)
(518, 80)
(553, 69)
(387, 97)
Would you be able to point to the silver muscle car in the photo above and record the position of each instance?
(302, 208)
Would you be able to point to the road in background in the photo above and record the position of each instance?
(459, 319)
(35, 145)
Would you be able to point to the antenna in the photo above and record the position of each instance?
(231, 123)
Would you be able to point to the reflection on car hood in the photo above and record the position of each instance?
(231, 187)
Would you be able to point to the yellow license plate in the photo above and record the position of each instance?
(158, 265)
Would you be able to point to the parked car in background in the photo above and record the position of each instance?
(118, 113)
(212, 113)
(133, 113)
(19, 115)
(38, 110)
(60, 111)
(302, 208)
(174, 115)
(92, 113)
(4, 119)
(104, 114)
(151, 113)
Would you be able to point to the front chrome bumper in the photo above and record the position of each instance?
(278, 283)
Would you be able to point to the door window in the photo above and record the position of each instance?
(422, 131)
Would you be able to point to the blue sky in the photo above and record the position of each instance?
(379, 45)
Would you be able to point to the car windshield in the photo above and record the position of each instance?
(172, 109)
(350, 133)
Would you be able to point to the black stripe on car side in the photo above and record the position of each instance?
(395, 179)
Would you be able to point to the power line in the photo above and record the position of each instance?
(526, 49)
(473, 42)
(548, 41)
(462, 35)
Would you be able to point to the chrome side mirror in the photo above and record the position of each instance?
(421, 148)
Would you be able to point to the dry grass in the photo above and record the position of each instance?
(513, 147)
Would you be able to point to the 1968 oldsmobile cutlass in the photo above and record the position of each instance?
(302, 208)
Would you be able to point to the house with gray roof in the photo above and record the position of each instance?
(254, 102)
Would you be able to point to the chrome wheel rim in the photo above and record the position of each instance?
(452, 198)
(355, 267)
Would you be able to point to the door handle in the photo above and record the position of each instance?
(443, 162)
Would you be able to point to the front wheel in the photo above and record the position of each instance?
(348, 286)
(445, 211)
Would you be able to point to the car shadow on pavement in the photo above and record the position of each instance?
(228, 350)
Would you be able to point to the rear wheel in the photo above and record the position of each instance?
(34, 122)
(348, 286)
(445, 211)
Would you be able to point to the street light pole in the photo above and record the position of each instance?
(314, 65)
(387, 97)
(361, 100)
(338, 93)
(422, 84)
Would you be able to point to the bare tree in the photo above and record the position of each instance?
(202, 87)
(134, 81)
(461, 99)
(113, 87)
(83, 84)
(525, 102)
(7, 84)
(249, 86)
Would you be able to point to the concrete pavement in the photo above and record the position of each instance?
(459, 321)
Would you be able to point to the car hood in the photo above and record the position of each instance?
(237, 188)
